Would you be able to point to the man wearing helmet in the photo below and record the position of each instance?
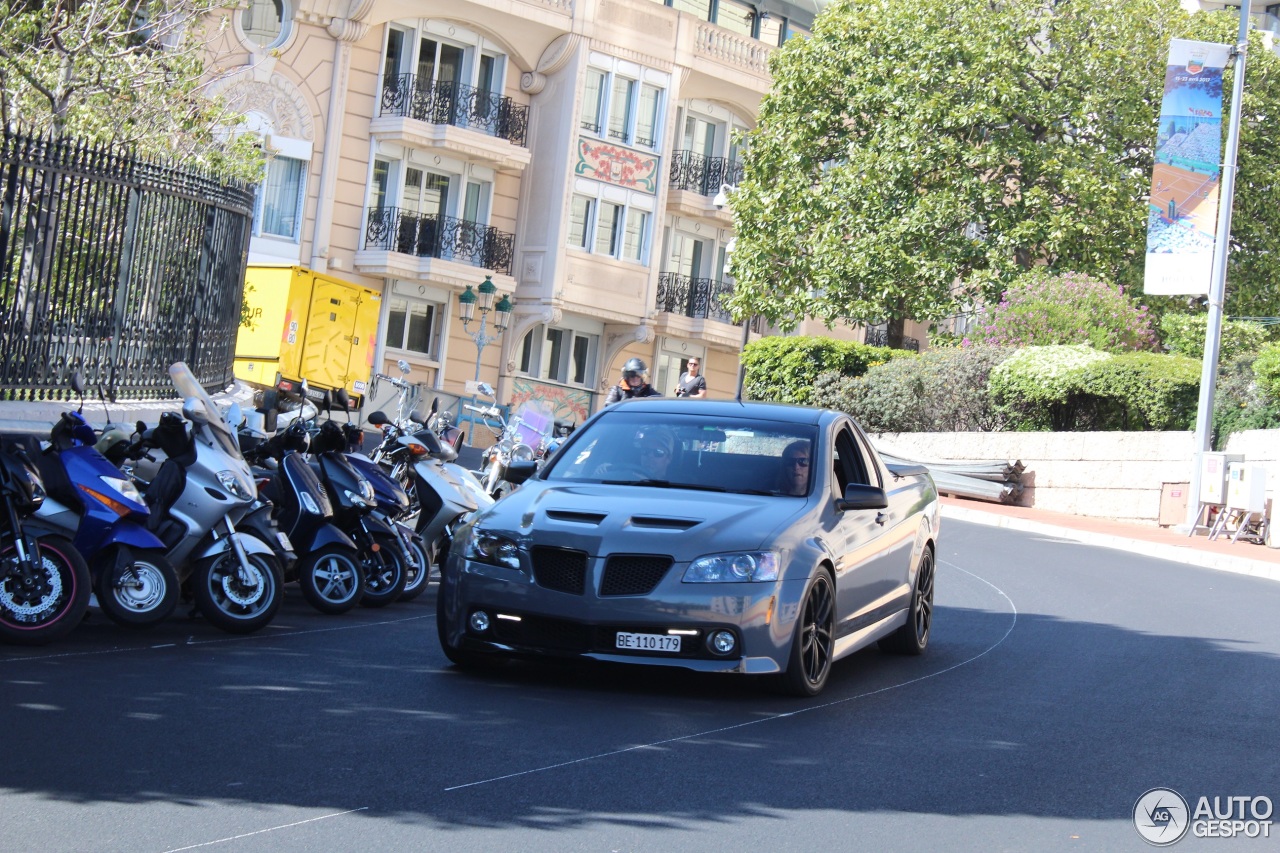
(635, 383)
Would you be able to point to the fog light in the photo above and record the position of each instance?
(479, 621)
(721, 642)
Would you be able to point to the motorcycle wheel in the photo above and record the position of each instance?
(53, 601)
(332, 579)
(235, 604)
(419, 570)
(384, 571)
(145, 594)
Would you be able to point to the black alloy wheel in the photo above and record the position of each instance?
(813, 644)
(913, 637)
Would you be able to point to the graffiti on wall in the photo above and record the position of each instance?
(566, 404)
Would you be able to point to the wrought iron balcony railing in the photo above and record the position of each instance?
(434, 236)
(694, 172)
(455, 104)
(878, 336)
(701, 298)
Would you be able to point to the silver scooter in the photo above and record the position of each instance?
(200, 491)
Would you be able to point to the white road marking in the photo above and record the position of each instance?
(1013, 611)
(268, 829)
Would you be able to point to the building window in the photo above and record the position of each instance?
(559, 355)
(413, 326)
(263, 22)
(279, 201)
(580, 211)
(608, 228)
(633, 109)
(735, 16)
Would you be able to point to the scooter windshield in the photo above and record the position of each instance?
(214, 430)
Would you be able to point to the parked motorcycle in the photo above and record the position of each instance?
(93, 503)
(44, 581)
(385, 560)
(524, 437)
(202, 490)
(330, 572)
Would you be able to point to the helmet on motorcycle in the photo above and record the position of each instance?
(633, 368)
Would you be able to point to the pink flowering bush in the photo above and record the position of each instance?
(1043, 309)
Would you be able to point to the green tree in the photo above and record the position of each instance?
(914, 155)
(126, 72)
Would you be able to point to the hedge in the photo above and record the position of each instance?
(784, 369)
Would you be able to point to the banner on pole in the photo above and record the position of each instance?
(1182, 217)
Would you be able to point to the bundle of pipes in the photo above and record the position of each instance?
(996, 481)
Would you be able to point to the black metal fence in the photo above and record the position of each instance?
(435, 236)
(116, 267)
(456, 104)
(878, 336)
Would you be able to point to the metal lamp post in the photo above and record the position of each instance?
(482, 297)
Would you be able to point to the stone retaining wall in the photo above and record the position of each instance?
(1117, 475)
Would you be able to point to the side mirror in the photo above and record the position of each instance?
(435, 405)
(78, 383)
(858, 496)
(235, 416)
(404, 366)
(379, 419)
(140, 427)
(485, 389)
(193, 410)
(343, 399)
(326, 402)
(520, 470)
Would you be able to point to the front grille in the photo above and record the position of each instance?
(633, 574)
(560, 569)
(541, 633)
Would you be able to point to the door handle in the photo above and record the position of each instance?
(880, 518)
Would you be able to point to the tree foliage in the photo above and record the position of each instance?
(128, 72)
(1041, 308)
(915, 155)
(1184, 334)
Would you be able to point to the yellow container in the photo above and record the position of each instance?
(307, 325)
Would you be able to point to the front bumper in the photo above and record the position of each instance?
(525, 619)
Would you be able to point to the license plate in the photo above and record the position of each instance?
(648, 642)
(284, 542)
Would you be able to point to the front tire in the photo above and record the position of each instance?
(419, 570)
(143, 596)
(332, 579)
(913, 637)
(384, 571)
(813, 643)
(234, 603)
(47, 604)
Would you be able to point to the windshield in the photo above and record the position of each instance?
(725, 454)
(215, 431)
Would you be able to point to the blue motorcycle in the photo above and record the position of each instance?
(100, 509)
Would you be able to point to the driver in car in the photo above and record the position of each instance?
(657, 447)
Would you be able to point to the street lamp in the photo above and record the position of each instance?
(482, 297)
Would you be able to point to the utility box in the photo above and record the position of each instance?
(1213, 476)
(307, 325)
(1246, 487)
(1173, 503)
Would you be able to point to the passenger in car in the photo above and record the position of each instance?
(794, 478)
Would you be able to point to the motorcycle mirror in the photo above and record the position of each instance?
(78, 383)
(343, 399)
(235, 416)
(404, 366)
(485, 389)
(435, 405)
(326, 402)
(193, 410)
(379, 419)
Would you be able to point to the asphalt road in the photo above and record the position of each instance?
(1063, 681)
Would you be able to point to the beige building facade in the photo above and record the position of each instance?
(569, 151)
